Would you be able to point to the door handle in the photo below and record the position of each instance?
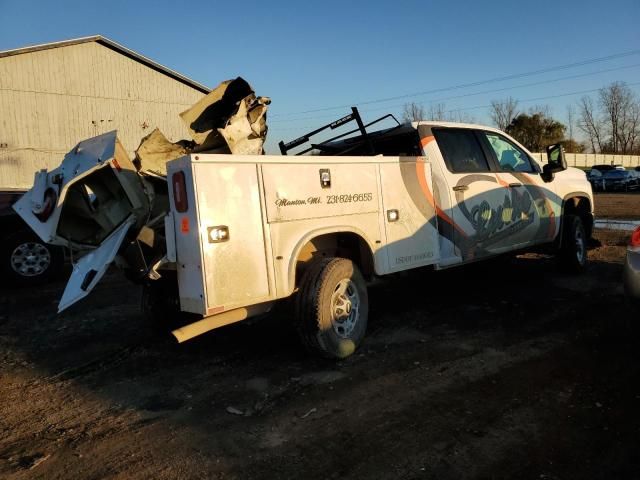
(460, 188)
(515, 185)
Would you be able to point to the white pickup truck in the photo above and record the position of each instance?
(224, 237)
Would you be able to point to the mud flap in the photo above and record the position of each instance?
(88, 271)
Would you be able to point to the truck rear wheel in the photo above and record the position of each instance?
(160, 303)
(573, 251)
(332, 308)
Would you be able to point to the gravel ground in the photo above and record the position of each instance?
(507, 369)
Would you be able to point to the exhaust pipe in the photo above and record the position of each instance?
(194, 329)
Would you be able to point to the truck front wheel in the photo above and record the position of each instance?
(332, 308)
(573, 250)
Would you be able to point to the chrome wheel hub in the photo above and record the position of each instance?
(30, 259)
(345, 308)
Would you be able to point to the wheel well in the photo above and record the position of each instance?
(9, 224)
(342, 244)
(580, 206)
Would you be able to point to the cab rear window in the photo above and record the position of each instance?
(461, 150)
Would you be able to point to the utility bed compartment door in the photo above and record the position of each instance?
(409, 214)
(316, 190)
(231, 234)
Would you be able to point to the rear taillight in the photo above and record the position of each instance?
(179, 192)
(48, 205)
(635, 238)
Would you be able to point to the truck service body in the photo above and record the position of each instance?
(239, 232)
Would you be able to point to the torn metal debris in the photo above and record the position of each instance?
(100, 201)
(229, 119)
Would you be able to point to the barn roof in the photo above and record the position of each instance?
(113, 46)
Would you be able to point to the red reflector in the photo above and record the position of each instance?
(179, 192)
(184, 225)
(635, 238)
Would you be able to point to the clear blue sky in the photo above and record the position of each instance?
(314, 55)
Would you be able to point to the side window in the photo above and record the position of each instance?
(510, 157)
(461, 150)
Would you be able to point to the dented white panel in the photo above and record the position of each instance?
(86, 158)
(88, 271)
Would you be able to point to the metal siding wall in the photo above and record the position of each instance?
(52, 99)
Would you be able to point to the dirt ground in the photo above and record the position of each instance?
(617, 205)
(508, 369)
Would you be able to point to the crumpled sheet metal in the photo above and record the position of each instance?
(229, 119)
(246, 130)
(155, 151)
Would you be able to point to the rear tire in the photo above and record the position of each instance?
(332, 308)
(573, 250)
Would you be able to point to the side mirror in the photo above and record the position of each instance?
(555, 162)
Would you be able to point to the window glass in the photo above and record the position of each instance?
(461, 150)
(510, 157)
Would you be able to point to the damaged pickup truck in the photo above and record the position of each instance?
(217, 232)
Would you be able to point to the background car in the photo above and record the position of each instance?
(596, 179)
(632, 267)
(621, 180)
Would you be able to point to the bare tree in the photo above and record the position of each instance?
(437, 112)
(413, 112)
(618, 104)
(571, 118)
(590, 124)
(631, 134)
(503, 112)
(460, 116)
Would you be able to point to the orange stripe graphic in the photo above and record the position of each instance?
(426, 140)
(502, 182)
(422, 180)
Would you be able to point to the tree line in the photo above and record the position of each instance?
(610, 121)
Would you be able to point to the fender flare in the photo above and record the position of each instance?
(291, 269)
(576, 194)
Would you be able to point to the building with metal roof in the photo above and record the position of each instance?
(56, 94)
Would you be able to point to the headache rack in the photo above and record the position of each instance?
(325, 148)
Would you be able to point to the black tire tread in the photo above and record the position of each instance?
(566, 255)
(308, 304)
